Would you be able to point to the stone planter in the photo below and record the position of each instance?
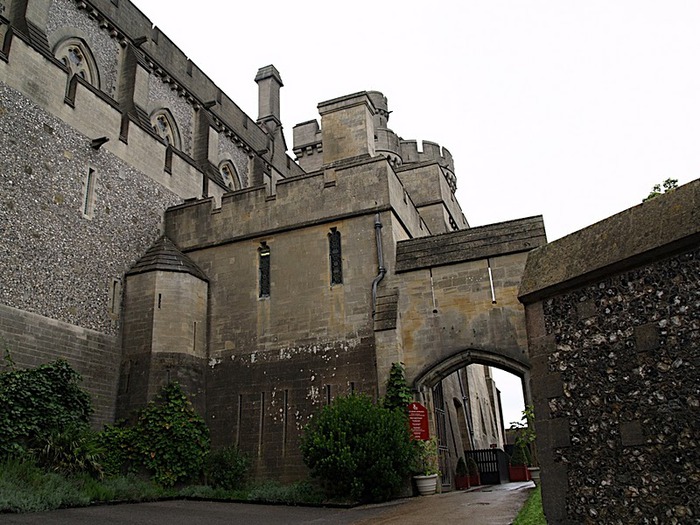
(461, 482)
(534, 473)
(426, 485)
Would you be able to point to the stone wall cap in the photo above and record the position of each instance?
(470, 244)
(653, 229)
(347, 101)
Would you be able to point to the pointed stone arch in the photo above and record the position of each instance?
(165, 127)
(76, 56)
(229, 174)
(437, 371)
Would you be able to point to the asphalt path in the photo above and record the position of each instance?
(488, 505)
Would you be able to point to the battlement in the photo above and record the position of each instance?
(365, 186)
(310, 139)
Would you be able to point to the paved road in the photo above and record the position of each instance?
(489, 505)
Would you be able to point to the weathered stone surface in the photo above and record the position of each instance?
(626, 349)
(467, 245)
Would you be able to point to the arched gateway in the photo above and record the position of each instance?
(457, 301)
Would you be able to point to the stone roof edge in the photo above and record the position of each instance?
(654, 229)
(501, 245)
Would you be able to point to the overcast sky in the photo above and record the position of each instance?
(570, 109)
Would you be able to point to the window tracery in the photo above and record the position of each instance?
(164, 127)
(76, 56)
(230, 175)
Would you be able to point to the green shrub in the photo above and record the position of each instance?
(358, 449)
(521, 456)
(133, 488)
(227, 468)
(461, 469)
(398, 393)
(120, 455)
(70, 451)
(169, 441)
(37, 402)
(26, 488)
(472, 467)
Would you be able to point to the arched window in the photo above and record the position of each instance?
(164, 126)
(230, 175)
(76, 56)
(335, 256)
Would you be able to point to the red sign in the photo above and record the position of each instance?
(418, 418)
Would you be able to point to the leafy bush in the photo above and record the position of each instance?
(472, 467)
(461, 469)
(426, 461)
(36, 402)
(358, 449)
(70, 451)
(398, 393)
(521, 456)
(120, 455)
(169, 440)
(26, 488)
(227, 468)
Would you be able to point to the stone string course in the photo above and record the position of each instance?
(627, 350)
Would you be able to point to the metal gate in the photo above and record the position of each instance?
(492, 463)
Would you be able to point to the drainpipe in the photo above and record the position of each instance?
(380, 259)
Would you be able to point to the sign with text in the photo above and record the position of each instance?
(418, 419)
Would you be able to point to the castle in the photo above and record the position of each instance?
(154, 232)
(151, 231)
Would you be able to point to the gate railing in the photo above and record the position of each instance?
(492, 464)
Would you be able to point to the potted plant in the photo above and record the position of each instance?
(474, 476)
(517, 470)
(521, 467)
(426, 467)
(461, 475)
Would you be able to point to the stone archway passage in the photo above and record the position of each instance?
(432, 375)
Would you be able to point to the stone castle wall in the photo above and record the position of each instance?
(66, 248)
(614, 335)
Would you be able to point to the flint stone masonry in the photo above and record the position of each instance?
(616, 365)
(70, 277)
(65, 21)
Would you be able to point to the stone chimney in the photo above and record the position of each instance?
(269, 84)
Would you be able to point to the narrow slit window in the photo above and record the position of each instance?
(328, 394)
(115, 297)
(336, 259)
(194, 336)
(264, 264)
(89, 197)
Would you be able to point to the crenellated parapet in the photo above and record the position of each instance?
(432, 152)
